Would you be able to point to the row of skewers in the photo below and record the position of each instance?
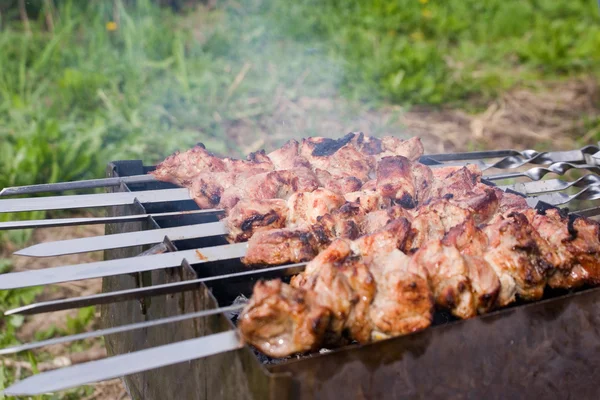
(389, 238)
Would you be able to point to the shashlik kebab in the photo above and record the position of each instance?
(368, 288)
(342, 166)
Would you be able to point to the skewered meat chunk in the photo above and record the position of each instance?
(402, 181)
(181, 168)
(411, 148)
(516, 253)
(337, 157)
(306, 207)
(344, 222)
(207, 188)
(338, 184)
(271, 185)
(575, 244)
(280, 246)
(251, 216)
(286, 157)
(344, 285)
(369, 200)
(448, 276)
(280, 320)
(485, 284)
(403, 303)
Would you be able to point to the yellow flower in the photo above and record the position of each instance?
(426, 13)
(111, 26)
(423, 1)
(417, 36)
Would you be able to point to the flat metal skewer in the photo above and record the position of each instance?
(150, 291)
(47, 223)
(118, 329)
(99, 269)
(126, 364)
(76, 185)
(122, 240)
(93, 200)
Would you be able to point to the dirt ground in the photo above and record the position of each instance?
(554, 115)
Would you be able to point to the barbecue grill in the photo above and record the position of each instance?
(165, 332)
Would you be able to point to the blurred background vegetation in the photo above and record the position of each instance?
(86, 82)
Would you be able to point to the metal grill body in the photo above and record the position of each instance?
(541, 349)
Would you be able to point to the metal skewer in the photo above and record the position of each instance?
(126, 364)
(47, 223)
(150, 291)
(76, 185)
(510, 159)
(122, 240)
(120, 266)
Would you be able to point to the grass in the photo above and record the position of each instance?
(152, 82)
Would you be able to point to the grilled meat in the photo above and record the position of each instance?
(250, 216)
(371, 292)
(281, 320)
(352, 159)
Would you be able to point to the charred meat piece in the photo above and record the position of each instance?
(403, 303)
(457, 183)
(251, 216)
(378, 219)
(485, 284)
(392, 236)
(207, 188)
(281, 320)
(448, 275)
(574, 241)
(411, 148)
(271, 185)
(337, 157)
(181, 168)
(369, 200)
(509, 202)
(518, 255)
(338, 184)
(344, 222)
(306, 207)
(280, 246)
(287, 157)
(343, 284)
(402, 182)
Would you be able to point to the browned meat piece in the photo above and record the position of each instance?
(369, 200)
(344, 222)
(271, 185)
(378, 219)
(508, 202)
(395, 181)
(287, 157)
(458, 183)
(517, 253)
(422, 178)
(391, 236)
(344, 285)
(466, 237)
(403, 303)
(575, 243)
(280, 246)
(483, 202)
(182, 168)
(411, 148)
(280, 320)
(448, 276)
(338, 184)
(251, 216)
(338, 157)
(306, 207)
(207, 188)
(485, 284)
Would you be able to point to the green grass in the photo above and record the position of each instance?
(73, 99)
